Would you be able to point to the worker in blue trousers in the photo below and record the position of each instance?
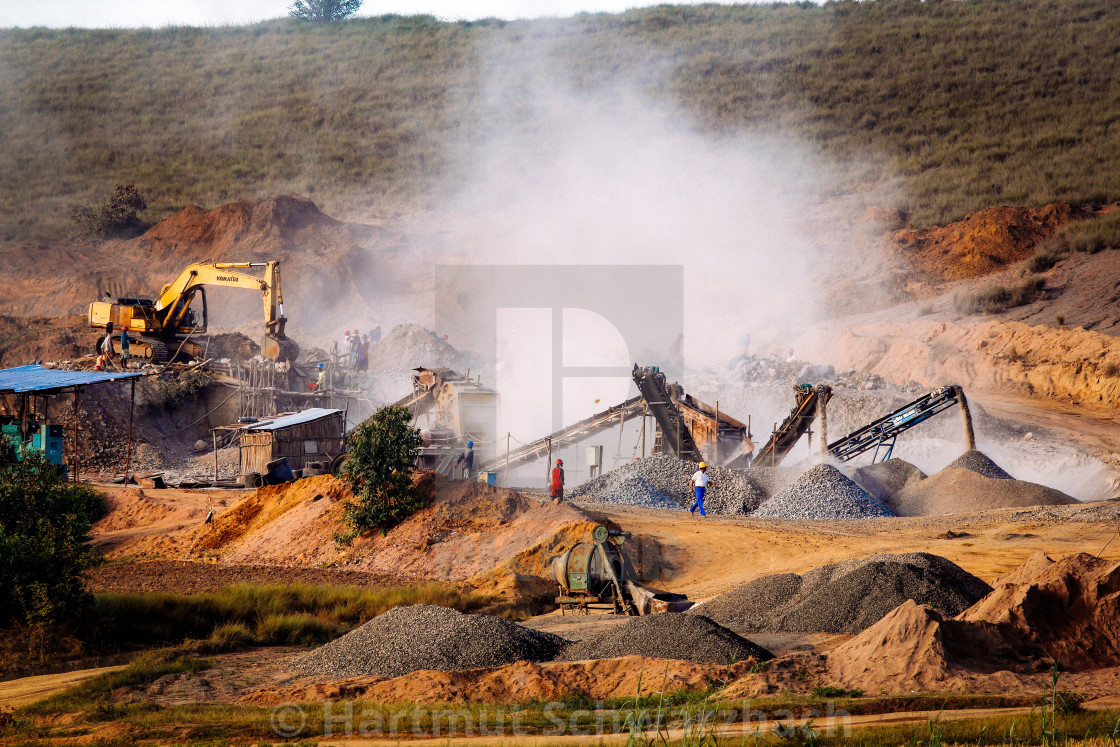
(700, 482)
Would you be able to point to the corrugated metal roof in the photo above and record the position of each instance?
(287, 421)
(35, 378)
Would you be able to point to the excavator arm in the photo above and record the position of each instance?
(174, 298)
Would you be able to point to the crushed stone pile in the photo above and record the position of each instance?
(668, 636)
(662, 481)
(845, 597)
(424, 636)
(981, 464)
(1068, 610)
(822, 492)
(884, 479)
(956, 490)
(407, 346)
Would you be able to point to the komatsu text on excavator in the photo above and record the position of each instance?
(173, 324)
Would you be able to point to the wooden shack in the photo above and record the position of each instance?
(313, 435)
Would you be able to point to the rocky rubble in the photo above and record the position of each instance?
(846, 597)
(424, 636)
(668, 636)
(662, 481)
(822, 492)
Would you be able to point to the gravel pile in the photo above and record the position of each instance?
(662, 481)
(846, 597)
(823, 492)
(668, 636)
(426, 636)
(981, 464)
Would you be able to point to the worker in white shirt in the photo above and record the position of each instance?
(700, 482)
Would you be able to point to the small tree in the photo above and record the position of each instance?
(383, 453)
(44, 531)
(324, 10)
(119, 213)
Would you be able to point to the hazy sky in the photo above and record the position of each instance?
(98, 13)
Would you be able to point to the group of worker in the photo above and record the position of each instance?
(107, 352)
(700, 480)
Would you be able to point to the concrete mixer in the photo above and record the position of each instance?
(597, 574)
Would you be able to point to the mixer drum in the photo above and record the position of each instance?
(582, 569)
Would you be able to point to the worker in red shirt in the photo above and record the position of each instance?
(557, 486)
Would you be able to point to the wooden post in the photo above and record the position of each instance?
(77, 417)
(214, 433)
(715, 449)
(548, 466)
(128, 449)
(645, 416)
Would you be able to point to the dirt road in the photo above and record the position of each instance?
(28, 690)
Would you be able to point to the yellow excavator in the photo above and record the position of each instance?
(173, 325)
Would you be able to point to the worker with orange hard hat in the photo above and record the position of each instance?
(557, 486)
(700, 482)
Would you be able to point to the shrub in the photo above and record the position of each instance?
(174, 392)
(44, 531)
(117, 214)
(999, 298)
(1043, 260)
(383, 452)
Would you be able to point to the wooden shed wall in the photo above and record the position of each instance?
(316, 441)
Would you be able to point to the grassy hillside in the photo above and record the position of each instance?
(972, 103)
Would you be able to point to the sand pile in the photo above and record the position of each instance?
(662, 481)
(845, 597)
(1068, 610)
(668, 636)
(823, 492)
(981, 464)
(956, 490)
(425, 636)
(884, 479)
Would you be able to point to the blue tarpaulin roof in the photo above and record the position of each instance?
(35, 378)
(287, 421)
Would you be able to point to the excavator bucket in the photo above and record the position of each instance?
(279, 348)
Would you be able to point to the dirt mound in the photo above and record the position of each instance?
(1069, 610)
(424, 636)
(469, 529)
(955, 490)
(599, 679)
(845, 597)
(668, 636)
(823, 492)
(884, 479)
(981, 464)
(28, 339)
(126, 509)
(984, 241)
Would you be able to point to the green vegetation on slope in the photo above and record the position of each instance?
(972, 103)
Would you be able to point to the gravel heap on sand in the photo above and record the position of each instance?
(846, 597)
(662, 481)
(955, 490)
(823, 492)
(668, 636)
(883, 480)
(426, 636)
(981, 464)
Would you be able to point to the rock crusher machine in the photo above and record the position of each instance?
(597, 575)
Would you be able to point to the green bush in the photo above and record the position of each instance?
(175, 391)
(324, 10)
(1090, 236)
(1000, 298)
(44, 531)
(1044, 260)
(117, 214)
(383, 453)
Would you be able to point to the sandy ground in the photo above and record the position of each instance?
(28, 690)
